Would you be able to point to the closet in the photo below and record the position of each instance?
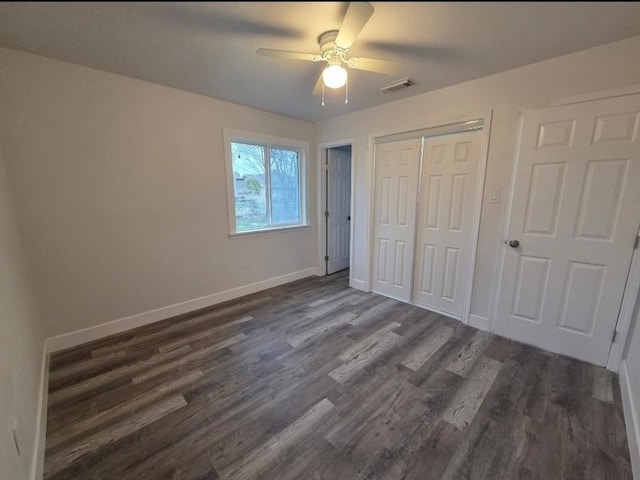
(427, 188)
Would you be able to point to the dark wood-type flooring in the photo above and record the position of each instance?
(313, 380)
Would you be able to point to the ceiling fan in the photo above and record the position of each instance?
(334, 51)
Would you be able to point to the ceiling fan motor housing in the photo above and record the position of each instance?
(327, 41)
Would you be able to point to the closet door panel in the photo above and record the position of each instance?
(395, 195)
(444, 231)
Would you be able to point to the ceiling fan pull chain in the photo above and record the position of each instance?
(346, 91)
(323, 94)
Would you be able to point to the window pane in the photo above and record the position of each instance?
(249, 186)
(285, 187)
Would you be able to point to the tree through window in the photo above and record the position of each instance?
(266, 186)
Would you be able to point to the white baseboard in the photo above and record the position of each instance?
(37, 461)
(85, 335)
(359, 284)
(479, 322)
(631, 419)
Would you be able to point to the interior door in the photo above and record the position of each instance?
(338, 209)
(395, 194)
(574, 217)
(447, 194)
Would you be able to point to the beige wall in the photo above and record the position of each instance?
(121, 192)
(605, 67)
(21, 346)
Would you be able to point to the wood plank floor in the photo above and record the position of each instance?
(313, 380)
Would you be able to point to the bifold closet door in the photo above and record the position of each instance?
(395, 194)
(444, 238)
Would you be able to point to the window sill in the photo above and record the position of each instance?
(267, 231)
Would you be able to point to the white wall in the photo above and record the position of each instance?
(631, 372)
(605, 67)
(121, 193)
(21, 346)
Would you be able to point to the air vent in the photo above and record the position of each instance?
(397, 85)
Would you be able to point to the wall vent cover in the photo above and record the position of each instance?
(397, 85)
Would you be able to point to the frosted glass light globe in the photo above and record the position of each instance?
(334, 76)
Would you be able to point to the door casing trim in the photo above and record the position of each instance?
(322, 201)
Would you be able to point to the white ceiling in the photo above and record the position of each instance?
(210, 47)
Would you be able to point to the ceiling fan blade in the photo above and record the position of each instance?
(268, 52)
(317, 90)
(358, 14)
(375, 65)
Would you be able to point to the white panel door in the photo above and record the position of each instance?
(447, 195)
(575, 213)
(395, 195)
(338, 209)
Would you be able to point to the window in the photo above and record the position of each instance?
(266, 183)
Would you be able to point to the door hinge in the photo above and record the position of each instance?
(326, 258)
(635, 244)
(326, 166)
(326, 214)
(615, 334)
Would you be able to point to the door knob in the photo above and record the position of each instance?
(514, 243)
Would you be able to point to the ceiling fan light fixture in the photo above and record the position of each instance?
(334, 76)
(334, 49)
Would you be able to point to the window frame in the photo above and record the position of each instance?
(267, 142)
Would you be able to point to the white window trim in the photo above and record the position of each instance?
(231, 135)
